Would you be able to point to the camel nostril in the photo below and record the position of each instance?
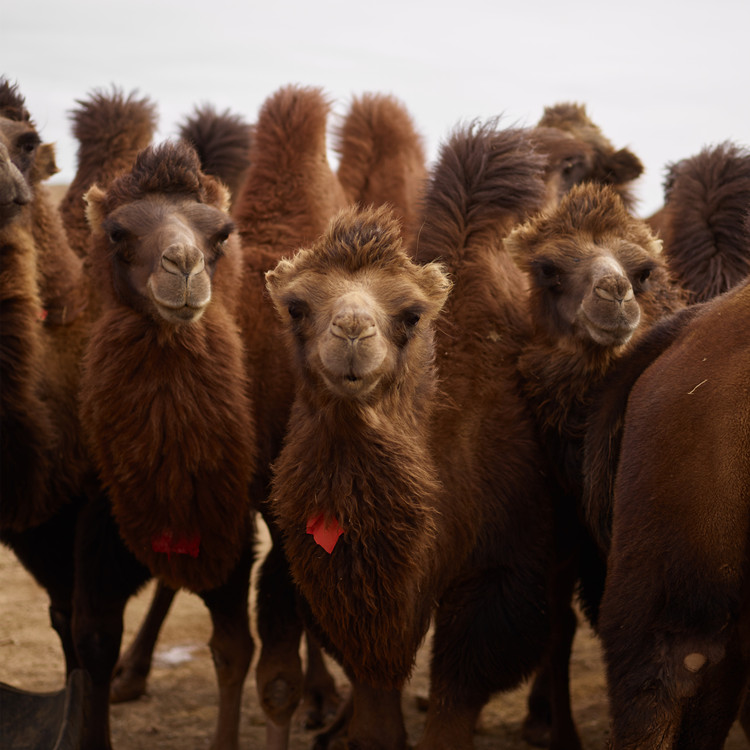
(183, 262)
(353, 326)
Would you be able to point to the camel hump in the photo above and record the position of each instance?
(486, 178)
(222, 142)
(292, 120)
(705, 237)
(110, 120)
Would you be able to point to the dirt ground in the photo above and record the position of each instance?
(179, 710)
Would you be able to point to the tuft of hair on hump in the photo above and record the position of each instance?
(590, 208)
(12, 103)
(221, 139)
(172, 167)
(484, 178)
(108, 117)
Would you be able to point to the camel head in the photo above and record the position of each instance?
(19, 146)
(159, 232)
(357, 310)
(590, 264)
(588, 156)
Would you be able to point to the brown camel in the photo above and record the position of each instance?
(675, 617)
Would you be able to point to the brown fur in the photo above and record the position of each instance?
(194, 413)
(707, 198)
(222, 142)
(382, 156)
(677, 580)
(111, 129)
(600, 162)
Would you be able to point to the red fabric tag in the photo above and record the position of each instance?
(325, 534)
(166, 543)
(43, 314)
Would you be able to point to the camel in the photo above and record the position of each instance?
(358, 317)
(597, 281)
(674, 616)
(167, 264)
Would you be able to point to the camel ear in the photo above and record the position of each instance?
(94, 198)
(624, 166)
(278, 277)
(435, 282)
(45, 164)
(517, 246)
(217, 193)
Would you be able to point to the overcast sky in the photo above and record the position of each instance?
(662, 78)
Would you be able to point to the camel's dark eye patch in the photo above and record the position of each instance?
(411, 317)
(116, 233)
(220, 238)
(642, 276)
(548, 274)
(27, 143)
(297, 309)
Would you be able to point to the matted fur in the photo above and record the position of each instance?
(12, 102)
(182, 454)
(677, 580)
(111, 129)
(363, 462)
(707, 198)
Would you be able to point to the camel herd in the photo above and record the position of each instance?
(465, 395)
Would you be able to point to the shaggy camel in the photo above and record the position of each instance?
(52, 309)
(487, 564)
(597, 279)
(707, 198)
(675, 616)
(358, 317)
(168, 268)
(222, 142)
(106, 124)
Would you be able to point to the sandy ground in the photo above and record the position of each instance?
(179, 710)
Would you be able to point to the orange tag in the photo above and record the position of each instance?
(181, 546)
(325, 534)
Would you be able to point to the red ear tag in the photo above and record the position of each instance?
(186, 545)
(325, 534)
(43, 314)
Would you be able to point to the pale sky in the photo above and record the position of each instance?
(664, 79)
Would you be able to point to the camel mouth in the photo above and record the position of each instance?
(182, 314)
(609, 337)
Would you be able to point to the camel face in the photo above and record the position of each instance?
(18, 146)
(589, 263)
(164, 252)
(356, 313)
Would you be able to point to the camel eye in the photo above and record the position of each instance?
(411, 318)
(548, 274)
(643, 276)
(116, 234)
(297, 309)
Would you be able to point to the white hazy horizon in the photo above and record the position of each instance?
(664, 80)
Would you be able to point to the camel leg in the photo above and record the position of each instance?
(488, 636)
(132, 670)
(107, 575)
(320, 699)
(279, 670)
(232, 648)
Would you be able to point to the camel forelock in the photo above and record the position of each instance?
(169, 168)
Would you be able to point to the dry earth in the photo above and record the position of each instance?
(179, 710)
